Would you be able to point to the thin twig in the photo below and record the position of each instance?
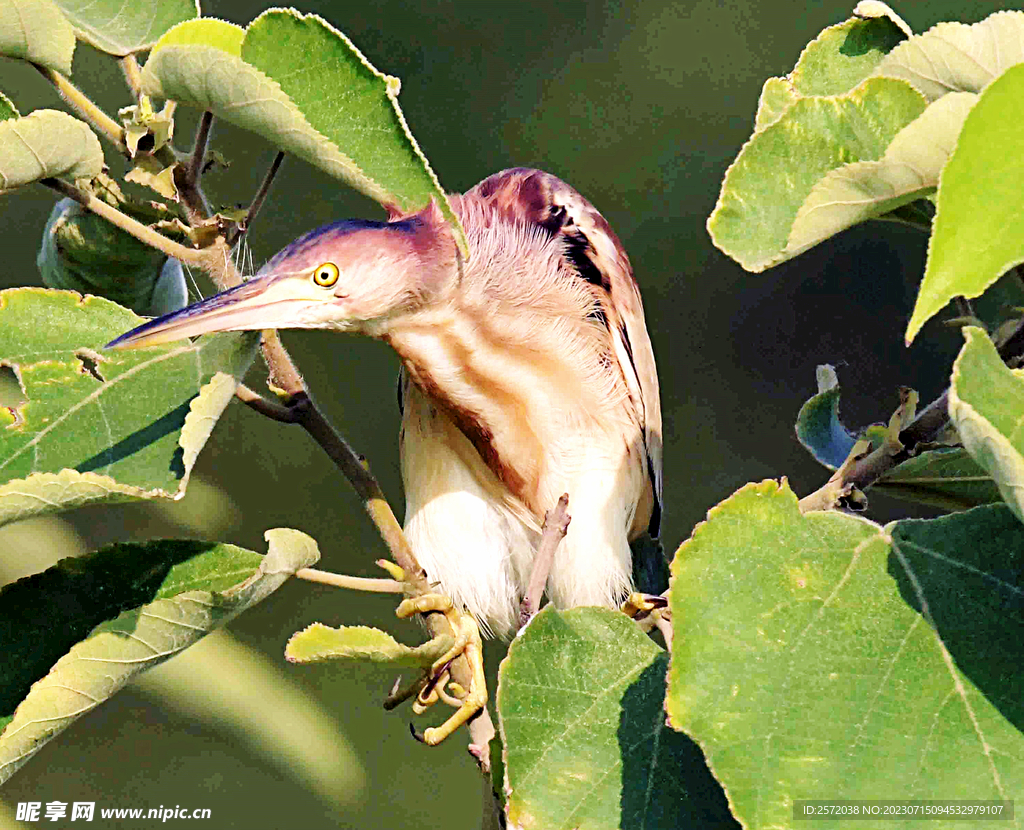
(132, 74)
(257, 201)
(352, 583)
(199, 146)
(143, 233)
(556, 523)
(272, 409)
(83, 105)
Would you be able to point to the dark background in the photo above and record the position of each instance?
(641, 106)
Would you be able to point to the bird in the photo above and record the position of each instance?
(526, 372)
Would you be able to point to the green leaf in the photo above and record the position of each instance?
(580, 699)
(83, 252)
(908, 170)
(818, 426)
(776, 95)
(833, 63)
(7, 108)
(986, 402)
(757, 206)
(946, 478)
(319, 643)
(120, 27)
(954, 57)
(36, 31)
(331, 108)
(102, 426)
(44, 144)
(821, 656)
(78, 632)
(978, 232)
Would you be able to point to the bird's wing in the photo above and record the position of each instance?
(594, 251)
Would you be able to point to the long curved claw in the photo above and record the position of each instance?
(467, 644)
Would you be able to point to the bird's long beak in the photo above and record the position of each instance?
(263, 302)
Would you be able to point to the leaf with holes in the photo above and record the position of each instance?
(36, 31)
(986, 404)
(102, 426)
(75, 634)
(580, 703)
(303, 85)
(822, 656)
(955, 57)
(7, 108)
(120, 27)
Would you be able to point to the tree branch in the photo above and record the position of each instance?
(556, 523)
(83, 105)
(257, 200)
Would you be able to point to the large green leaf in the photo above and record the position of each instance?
(44, 144)
(778, 167)
(986, 403)
(833, 63)
(121, 27)
(580, 699)
(304, 86)
(978, 232)
(78, 632)
(953, 57)
(102, 426)
(84, 252)
(822, 656)
(908, 170)
(36, 31)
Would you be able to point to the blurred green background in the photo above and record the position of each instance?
(641, 106)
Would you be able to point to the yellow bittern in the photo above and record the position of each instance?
(527, 373)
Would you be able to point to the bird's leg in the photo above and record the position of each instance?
(468, 645)
(556, 523)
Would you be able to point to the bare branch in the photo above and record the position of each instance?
(556, 523)
(257, 200)
(83, 105)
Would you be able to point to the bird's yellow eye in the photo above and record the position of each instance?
(326, 275)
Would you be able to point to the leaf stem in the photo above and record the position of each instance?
(132, 74)
(353, 583)
(83, 105)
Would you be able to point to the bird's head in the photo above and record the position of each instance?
(349, 276)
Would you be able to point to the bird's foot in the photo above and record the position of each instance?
(650, 611)
(468, 644)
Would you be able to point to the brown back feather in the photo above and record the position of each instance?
(594, 251)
